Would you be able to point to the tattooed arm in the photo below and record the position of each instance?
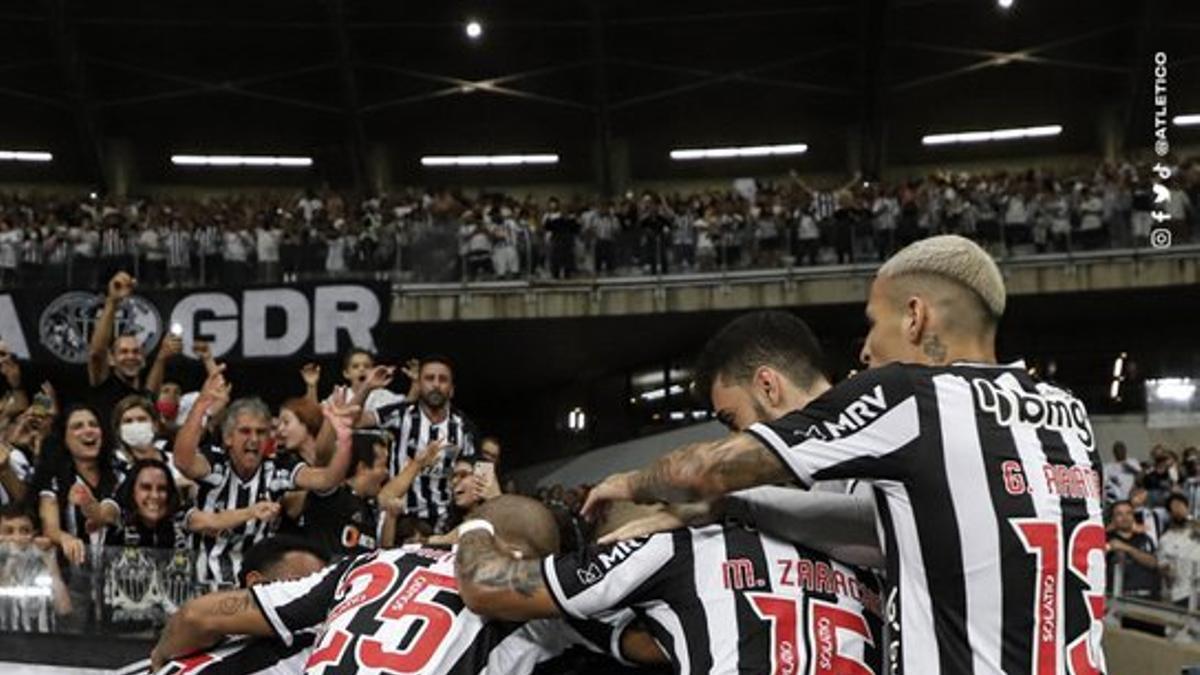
(697, 472)
(203, 621)
(497, 585)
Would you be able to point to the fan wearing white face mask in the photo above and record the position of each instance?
(140, 435)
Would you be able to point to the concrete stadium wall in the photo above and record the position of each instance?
(1130, 652)
(1179, 266)
(594, 465)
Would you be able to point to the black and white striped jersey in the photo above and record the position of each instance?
(429, 498)
(247, 656)
(988, 491)
(728, 599)
(219, 558)
(398, 611)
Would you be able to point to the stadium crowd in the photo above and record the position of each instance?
(141, 475)
(442, 234)
(203, 476)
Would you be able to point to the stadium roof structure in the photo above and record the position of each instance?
(349, 82)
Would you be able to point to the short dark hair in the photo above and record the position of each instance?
(765, 338)
(1113, 507)
(1176, 497)
(354, 351)
(438, 358)
(20, 510)
(267, 553)
(362, 450)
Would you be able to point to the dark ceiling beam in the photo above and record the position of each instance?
(872, 111)
(208, 89)
(71, 65)
(30, 96)
(215, 87)
(461, 86)
(603, 119)
(1003, 58)
(829, 8)
(746, 75)
(1013, 57)
(352, 109)
(21, 65)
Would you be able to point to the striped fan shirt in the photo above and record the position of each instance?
(430, 495)
(988, 490)
(219, 558)
(727, 599)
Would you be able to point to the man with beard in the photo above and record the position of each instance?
(415, 425)
(115, 360)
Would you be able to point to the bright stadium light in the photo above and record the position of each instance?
(488, 160)
(1186, 120)
(25, 156)
(739, 151)
(993, 135)
(239, 160)
(474, 29)
(1005, 4)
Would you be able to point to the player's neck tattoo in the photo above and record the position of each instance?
(934, 349)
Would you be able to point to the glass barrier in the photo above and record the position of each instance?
(448, 250)
(122, 591)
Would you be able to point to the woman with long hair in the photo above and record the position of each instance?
(151, 509)
(76, 482)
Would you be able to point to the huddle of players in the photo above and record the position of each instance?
(402, 610)
(761, 580)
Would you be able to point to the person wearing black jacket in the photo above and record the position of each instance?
(562, 227)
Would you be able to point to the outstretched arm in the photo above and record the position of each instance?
(495, 584)
(340, 416)
(119, 288)
(205, 620)
(696, 472)
(187, 455)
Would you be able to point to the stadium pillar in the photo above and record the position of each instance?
(120, 166)
(603, 154)
(871, 112)
(70, 62)
(1109, 127)
(379, 168)
(356, 136)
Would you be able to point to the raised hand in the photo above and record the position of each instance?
(215, 387)
(311, 374)
(172, 345)
(340, 410)
(121, 286)
(379, 377)
(412, 369)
